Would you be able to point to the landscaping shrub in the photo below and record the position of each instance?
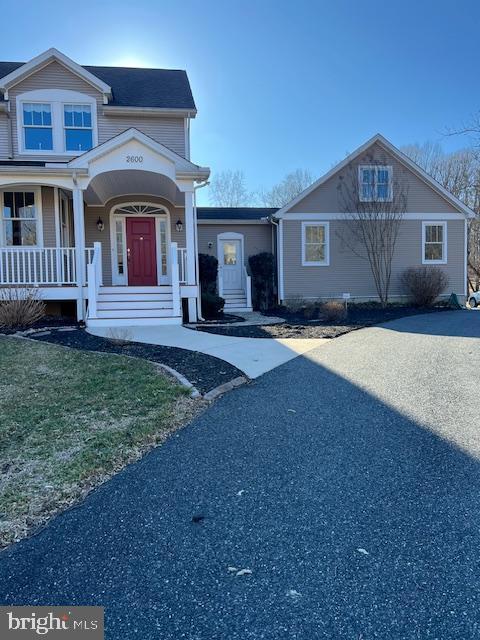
(424, 284)
(20, 308)
(262, 269)
(208, 269)
(296, 304)
(333, 311)
(212, 305)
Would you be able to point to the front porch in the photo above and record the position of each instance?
(120, 241)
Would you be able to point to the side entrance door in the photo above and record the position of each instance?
(231, 261)
(141, 252)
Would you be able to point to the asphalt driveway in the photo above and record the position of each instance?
(347, 481)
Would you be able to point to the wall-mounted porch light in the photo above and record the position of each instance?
(100, 225)
(179, 226)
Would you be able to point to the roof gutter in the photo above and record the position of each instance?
(148, 111)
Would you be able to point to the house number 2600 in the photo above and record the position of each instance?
(134, 158)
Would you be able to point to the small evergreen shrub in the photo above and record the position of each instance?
(212, 305)
(208, 269)
(262, 269)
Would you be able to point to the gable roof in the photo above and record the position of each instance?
(401, 157)
(234, 213)
(127, 87)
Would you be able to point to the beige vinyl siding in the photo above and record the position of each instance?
(4, 136)
(421, 197)
(257, 237)
(168, 131)
(92, 234)
(48, 217)
(349, 273)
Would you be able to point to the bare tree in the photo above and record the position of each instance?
(228, 189)
(459, 173)
(287, 189)
(374, 205)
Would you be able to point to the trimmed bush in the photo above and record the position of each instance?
(424, 284)
(208, 269)
(20, 308)
(212, 305)
(262, 269)
(333, 311)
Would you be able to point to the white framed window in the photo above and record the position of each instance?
(434, 243)
(375, 183)
(37, 126)
(56, 122)
(77, 123)
(20, 218)
(315, 244)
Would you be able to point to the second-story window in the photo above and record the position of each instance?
(37, 126)
(77, 119)
(375, 183)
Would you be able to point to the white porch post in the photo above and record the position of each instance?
(79, 232)
(191, 257)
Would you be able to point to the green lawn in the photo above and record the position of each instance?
(68, 420)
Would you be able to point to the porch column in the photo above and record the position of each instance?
(79, 232)
(191, 258)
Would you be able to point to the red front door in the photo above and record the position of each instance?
(141, 252)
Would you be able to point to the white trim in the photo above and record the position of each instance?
(376, 168)
(38, 212)
(326, 261)
(378, 138)
(43, 60)
(342, 216)
(239, 237)
(242, 222)
(280, 249)
(114, 215)
(443, 224)
(161, 112)
(57, 99)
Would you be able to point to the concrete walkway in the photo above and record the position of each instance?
(253, 356)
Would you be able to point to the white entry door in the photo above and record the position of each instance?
(231, 262)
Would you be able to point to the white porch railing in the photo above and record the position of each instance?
(247, 280)
(87, 261)
(28, 266)
(182, 264)
(174, 253)
(94, 279)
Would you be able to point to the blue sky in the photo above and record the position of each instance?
(281, 85)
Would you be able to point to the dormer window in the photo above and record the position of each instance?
(375, 183)
(77, 119)
(37, 126)
(56, 122)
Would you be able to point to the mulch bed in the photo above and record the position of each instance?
(296, 326)
(47, 322)
(203, 371)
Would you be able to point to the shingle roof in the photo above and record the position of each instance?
(161, 88)
(234, 213)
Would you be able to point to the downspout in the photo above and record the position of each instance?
(10, 132)
(273, 220)
(195, 222)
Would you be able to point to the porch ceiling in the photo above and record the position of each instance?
(126, 182)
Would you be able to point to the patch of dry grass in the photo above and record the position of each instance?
(69, 420)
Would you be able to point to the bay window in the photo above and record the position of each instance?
(19, 218)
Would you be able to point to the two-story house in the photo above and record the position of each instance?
(98, 203)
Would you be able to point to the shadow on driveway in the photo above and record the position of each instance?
(333, 478)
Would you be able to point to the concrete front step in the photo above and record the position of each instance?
(134, 313)
(132, 322)
(128, 290)
(133, 304)
(235, 309)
